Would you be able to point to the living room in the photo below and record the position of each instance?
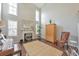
(25, 23)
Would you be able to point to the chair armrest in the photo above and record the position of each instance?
(59, 41)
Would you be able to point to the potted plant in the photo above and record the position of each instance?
(50, 21)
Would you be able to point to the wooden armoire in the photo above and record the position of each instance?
(51, 33)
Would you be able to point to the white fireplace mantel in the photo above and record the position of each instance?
(23, 32)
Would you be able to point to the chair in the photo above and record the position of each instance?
(64, 39)
(8, 52)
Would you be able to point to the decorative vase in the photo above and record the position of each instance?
(50, 21)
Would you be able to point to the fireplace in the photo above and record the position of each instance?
(27, 37)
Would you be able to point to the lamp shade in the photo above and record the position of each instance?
(1, 23)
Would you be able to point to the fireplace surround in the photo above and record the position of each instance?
(27, 37)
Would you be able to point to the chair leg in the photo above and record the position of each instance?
(67, 46)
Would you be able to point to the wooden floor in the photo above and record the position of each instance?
(46, 42)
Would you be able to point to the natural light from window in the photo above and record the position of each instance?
(12, 8)
(37, 21)
(0, 11)
(12, 28)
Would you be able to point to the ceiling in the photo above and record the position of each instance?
(39, 5)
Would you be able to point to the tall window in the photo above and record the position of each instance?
(12, 28)
(37, 22)
(0, 11)
(13, 8)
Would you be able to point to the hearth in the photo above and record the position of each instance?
(27, 37)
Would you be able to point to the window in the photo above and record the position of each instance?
(12, 28)
(13, 8)
(37, 22)
(0, 11)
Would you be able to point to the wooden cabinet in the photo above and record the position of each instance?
(51, 33)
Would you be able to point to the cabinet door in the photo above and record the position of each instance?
(50, 33)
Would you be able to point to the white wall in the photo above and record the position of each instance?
(66, 18)
(25, 12)
(26, 16)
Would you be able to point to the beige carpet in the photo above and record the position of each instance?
(38, 48)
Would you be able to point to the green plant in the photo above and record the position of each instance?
(38, 28)
(50, 21)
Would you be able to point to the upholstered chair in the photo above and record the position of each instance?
(63, 40)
